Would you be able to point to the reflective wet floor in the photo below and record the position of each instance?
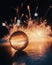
(29, 57)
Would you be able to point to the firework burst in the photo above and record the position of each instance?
(39, 33)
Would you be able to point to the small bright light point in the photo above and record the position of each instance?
(18, 22)
(36, 14)
(3, 24)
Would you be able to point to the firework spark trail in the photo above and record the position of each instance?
(38, 31)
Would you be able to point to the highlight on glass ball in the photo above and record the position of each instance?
(19, 40)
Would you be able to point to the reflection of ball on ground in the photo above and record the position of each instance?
(19, 40)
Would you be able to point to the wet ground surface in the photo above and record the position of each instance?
(24, 57)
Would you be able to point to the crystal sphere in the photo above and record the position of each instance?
(19, 40)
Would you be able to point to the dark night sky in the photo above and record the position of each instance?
(7, 9)
(6, 6)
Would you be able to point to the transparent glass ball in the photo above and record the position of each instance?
(19, 40)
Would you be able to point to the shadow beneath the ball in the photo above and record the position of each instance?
(21, 57)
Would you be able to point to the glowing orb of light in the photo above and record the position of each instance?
(36, 14)
(3, 24)
(18, 22)
(19, 40)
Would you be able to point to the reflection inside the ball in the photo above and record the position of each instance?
(19, 40)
